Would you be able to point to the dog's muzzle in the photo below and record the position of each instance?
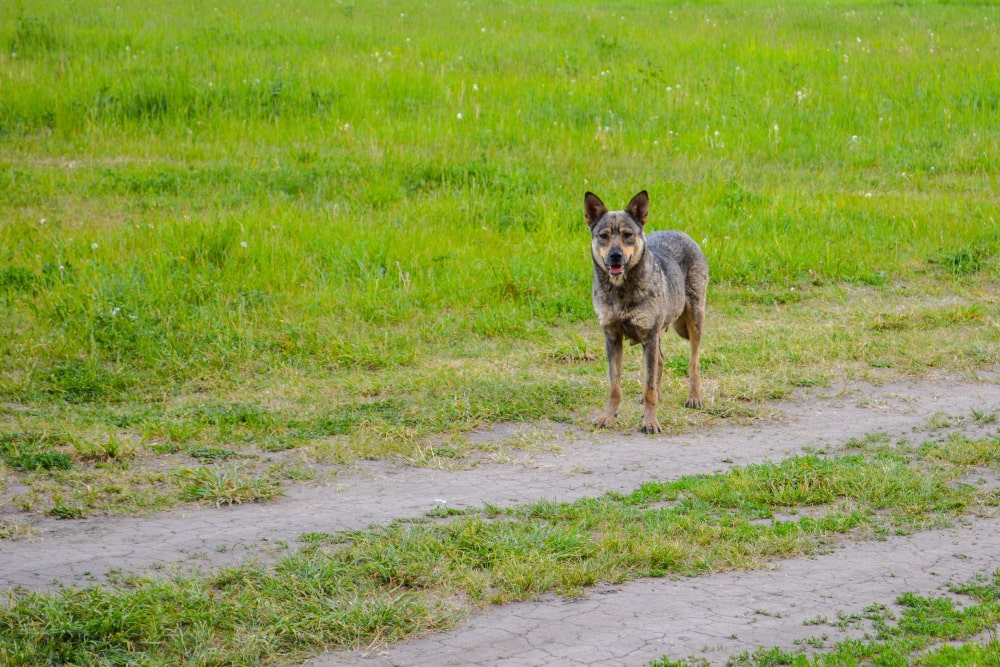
(615, 263)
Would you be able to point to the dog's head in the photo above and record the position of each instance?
(616, 238)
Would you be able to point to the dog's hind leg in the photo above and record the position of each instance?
(694, 321)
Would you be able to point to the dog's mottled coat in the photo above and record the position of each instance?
(642, 285)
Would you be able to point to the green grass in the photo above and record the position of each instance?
(386, 583)
(268, 226)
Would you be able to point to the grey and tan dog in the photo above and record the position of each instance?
(642, 285)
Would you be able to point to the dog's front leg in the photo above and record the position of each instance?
(652, 374)
(613, 345)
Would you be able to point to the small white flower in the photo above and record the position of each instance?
(460, 115)
(475, 87)
(115, 311)
(62, 268)
(244, 244)
(43, 221)
(93, 246)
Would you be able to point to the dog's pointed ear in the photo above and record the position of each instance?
(593, 208)
(638, 208)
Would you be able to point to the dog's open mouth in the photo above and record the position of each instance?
(616, 269)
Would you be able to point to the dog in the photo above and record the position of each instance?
(642, 285)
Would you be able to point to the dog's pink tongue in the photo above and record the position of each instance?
(616, 270)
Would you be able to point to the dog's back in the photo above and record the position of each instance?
(683, 250)
(675, 250)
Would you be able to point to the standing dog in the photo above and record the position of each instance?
(642, 285)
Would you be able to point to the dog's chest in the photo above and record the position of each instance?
(635, 313)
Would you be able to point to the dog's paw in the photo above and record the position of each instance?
(605, 421)
(693, 402)
(651, 426)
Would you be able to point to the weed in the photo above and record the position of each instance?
(115, 448)
(65, 512)
(39, 461)
(224, 486)
(983, 418)
(12, 529)
(211, 453)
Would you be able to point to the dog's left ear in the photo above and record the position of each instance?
(638, 208)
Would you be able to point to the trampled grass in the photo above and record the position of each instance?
(341, 228)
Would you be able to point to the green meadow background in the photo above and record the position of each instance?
(348, 225)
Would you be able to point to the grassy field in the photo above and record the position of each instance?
(238, 239)
(321, 231)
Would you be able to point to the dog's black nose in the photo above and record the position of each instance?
(615, 257)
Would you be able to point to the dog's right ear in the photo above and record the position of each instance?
(593, 208)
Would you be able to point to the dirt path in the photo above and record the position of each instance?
(712, 618)
(639, 621)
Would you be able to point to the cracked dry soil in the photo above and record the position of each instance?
(711, 617)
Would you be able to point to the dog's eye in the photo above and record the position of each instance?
(627, 236)
(605, 236)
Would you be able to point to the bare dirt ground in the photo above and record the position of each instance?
(711, 617)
